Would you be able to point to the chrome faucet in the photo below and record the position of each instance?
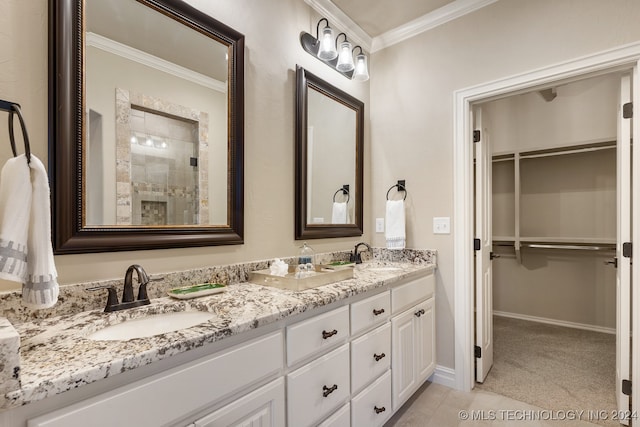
(127, 294)
(356, 256)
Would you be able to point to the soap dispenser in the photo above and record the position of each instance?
(307, 256)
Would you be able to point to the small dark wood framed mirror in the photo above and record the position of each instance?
(146, 126)
(329, 160)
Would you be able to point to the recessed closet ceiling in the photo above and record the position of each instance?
(379, 16)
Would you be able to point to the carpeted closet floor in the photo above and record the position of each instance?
(553, 367)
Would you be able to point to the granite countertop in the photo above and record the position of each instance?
(56, 355)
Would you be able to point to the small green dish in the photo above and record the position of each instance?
(340, 263)
(194, 291)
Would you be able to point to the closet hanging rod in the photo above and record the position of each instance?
(569, 247)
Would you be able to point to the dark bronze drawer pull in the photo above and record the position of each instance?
(378, 312)
(378, 356)
(326, 334)
(326, 391)
(419, 312)
(378, 410)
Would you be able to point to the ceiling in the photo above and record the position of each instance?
(379, 16)
(378, 24)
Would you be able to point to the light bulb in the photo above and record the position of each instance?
(345, 59)
(361, 71)
(327, 50)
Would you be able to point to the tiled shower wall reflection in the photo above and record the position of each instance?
(161, 148)
(164, 169)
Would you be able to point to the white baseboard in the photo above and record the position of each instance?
(555, 322)
(444, 376)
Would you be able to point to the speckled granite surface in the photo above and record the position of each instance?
(56, 355)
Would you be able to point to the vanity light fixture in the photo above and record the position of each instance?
(339, 56)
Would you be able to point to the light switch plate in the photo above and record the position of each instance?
(379, 225)
(441, 225)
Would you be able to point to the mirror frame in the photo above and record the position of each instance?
(303, 230)
(66, 138)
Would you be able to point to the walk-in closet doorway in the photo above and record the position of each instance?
(473, 220)
(553, 178)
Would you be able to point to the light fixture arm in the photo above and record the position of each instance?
(338, 36)
(357, 47)
(318, 27)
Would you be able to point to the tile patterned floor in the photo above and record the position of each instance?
(435, 405)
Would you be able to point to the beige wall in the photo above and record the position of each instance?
(412, 85)
(272, 29)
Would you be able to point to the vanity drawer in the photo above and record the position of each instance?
(316, 335)
(370, 312)
(404, 296)
(340, 418)
(370, 356)
(318, 388)
(372, 407)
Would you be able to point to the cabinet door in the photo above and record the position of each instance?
(425, 340)
(402, 357)
(261, 408)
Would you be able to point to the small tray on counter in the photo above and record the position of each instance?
(323, 275)
(195, 291)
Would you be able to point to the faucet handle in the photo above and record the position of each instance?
(142, 290)
(112, 298)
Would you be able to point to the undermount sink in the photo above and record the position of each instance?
(151, 325)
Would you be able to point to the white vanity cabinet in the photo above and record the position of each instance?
(167, 397)
(413, 337)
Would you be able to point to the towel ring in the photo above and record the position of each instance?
(15, 108)
(401, 187)
(344, 191)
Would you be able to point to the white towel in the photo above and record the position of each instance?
(339, 213)
(41, 288)
(15, 206)
(26, 255)
(395, 225)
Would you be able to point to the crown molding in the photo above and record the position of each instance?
(132, 54)
(339, 19)
(427, 22)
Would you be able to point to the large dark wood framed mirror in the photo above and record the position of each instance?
(329, 160)
(146, 126)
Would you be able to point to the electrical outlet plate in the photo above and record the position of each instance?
(379, 225)
(441, 225)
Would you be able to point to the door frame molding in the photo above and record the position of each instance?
(620, 58)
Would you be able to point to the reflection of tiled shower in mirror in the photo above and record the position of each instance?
(164, 169)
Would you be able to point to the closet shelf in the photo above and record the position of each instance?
(606, 144)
